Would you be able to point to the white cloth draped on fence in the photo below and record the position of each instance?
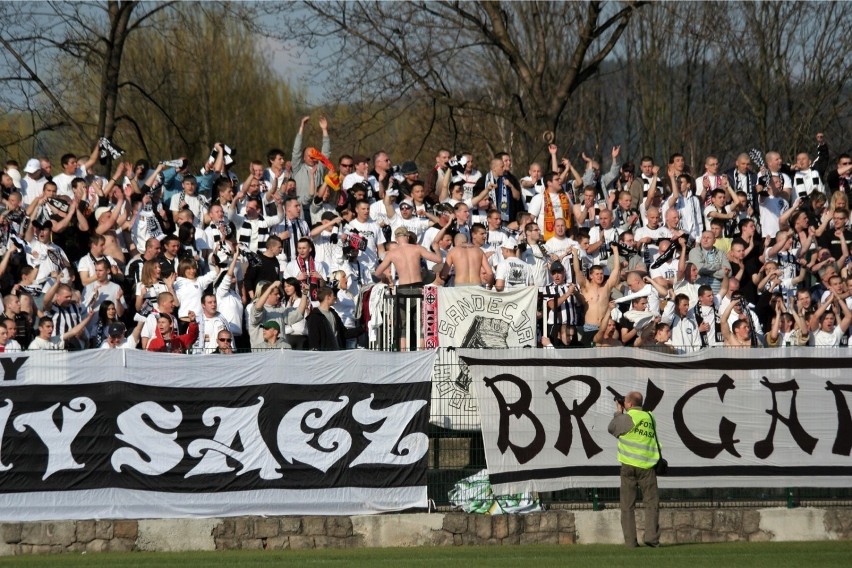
(472, 317)
(725, 417)
(129, 434)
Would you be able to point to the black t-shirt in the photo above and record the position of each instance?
(830, 241)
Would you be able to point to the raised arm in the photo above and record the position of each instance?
(726, 315)
(847, 314)
(615, 275)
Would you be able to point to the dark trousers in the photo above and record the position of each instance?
(645, 479)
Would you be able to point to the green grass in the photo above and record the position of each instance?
(752, 555)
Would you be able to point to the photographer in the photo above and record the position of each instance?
(639, 453)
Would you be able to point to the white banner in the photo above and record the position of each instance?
(725, 417)
(474, 317)
(130, 434)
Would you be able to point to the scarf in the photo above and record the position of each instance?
(244, 234)
(550, 215)
(307, 267)
(499, 196)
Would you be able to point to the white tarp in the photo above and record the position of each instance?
(127, 434)
(473, 317)
(725, 417)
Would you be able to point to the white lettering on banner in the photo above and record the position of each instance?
(233, 422)
(134, 431)
(319, 450)
(5, 411)
(58, 442)
(293, 441)
(121, 434)
(393, 421)
(722, 421)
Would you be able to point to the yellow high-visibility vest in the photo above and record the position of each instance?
(638, 447)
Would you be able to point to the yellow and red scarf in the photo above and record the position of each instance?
(550, 215)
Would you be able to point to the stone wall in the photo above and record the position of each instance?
(565, 527)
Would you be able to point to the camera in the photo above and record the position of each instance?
(615, 396)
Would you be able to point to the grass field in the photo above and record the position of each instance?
(756, 555)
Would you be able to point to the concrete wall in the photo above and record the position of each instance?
(437, 529)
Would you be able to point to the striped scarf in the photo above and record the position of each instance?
(245, 231)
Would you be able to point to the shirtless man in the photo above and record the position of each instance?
(405, 258)
(471, 264)
(595, 291)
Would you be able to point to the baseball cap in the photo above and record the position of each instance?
(33, 165)
(116, 329)
(271, 324)
(510, 244)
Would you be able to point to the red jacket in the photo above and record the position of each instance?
(179, 343)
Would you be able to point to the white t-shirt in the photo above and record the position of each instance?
(514, 272)
(375, 237)
(63, 182)
(820, 338)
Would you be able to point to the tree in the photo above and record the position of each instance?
(80, 71)
(93, 33)
(514, 65)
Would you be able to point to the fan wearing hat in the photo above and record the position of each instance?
(405, 216)
(33, 181)
(410, 173)
(406, 260)
(45, 255)
(116, 339)
(308, 171)
(512, 272)
(272, 338)
(266, 307)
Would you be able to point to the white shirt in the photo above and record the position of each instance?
(31, 189)
(514, 273)
(63, 182)
(536, 208)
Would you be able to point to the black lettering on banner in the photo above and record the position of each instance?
(519, 408)
(764, 448)
(843, 441)
(11, 367)
(566, 430)
(727, 428)
(653, 396)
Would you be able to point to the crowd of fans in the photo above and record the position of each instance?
(292, 253)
